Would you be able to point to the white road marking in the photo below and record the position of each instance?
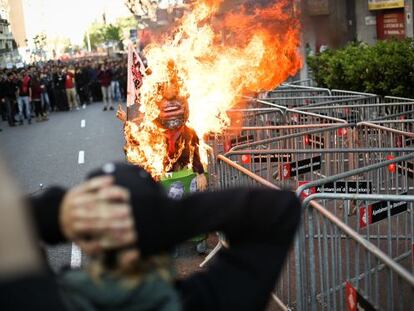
(75, 257)
(83, 123)
(81, 157)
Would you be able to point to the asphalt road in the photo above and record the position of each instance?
(50, 153)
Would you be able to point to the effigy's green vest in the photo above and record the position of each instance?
(180, 183)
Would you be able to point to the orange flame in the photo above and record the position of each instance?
(217, 58)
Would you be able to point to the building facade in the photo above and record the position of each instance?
(17, 22)
(8, 47)
(333, 23)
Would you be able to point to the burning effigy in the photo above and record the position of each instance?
(217, 52)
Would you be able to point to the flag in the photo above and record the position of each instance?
(135, 76)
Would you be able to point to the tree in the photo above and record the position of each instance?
(95, 35)
(111, 33)
(100, 34)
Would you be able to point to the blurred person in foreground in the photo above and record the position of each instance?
(127, 224)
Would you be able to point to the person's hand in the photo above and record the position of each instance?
(96, 216)
(121, 114)
(201, 182)
(18, 245)
(127, 260)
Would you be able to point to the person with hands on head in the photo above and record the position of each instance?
(130, 268)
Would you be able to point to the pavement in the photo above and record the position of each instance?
(61, 152)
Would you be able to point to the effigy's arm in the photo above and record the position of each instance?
(198, 167)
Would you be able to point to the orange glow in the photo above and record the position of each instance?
(217, 57)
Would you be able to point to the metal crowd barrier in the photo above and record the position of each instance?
(320, 152)
(385, 221)
(256, 124)
(263, 113)
(351, 158)
(304, 82)
(403, 126)
(353, 112)
(333, 263)
(292, 96)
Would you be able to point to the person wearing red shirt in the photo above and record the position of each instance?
(23, 97)
(70, 89)
(105, 79)
(35, 95)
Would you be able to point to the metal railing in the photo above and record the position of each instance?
(303, 288)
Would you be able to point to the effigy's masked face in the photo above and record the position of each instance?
(173, 113)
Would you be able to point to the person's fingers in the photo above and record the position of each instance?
(117, 239)
(84, 200)
(125, 237)
(90, 247)
(129, 258)
(95, 184)
(109, 211)
(114, 193)
(89, 227)
(102, 222)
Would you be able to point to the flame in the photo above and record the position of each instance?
(211, 59)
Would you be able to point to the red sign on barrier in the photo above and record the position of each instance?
(378, 211)
(227, 145)
(301, 167)
(286, 170)
(306, 192)
(306, 140)
(365, 216)
(342, 132)
(246, 158)
(392, 168)
(398, 141)
(355, 301)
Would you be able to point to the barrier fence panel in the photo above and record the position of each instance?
(393, 99)
(382, 220)
(332, 262)
(262, 113)
(235, 136)
(256, 124)
(351, 158)
(304, 82)
(294, 96)
(354, 113)
(312, 101)
(317, 153)
(401, 113)
(344, 92)
(399, 127)
(346, 270)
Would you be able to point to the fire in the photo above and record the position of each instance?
(211, 59)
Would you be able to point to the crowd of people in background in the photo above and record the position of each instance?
(37, 90)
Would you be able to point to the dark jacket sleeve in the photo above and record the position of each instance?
(241, 214)
(260, 226)
(45, 211)
(197, 165)
(35, 292)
